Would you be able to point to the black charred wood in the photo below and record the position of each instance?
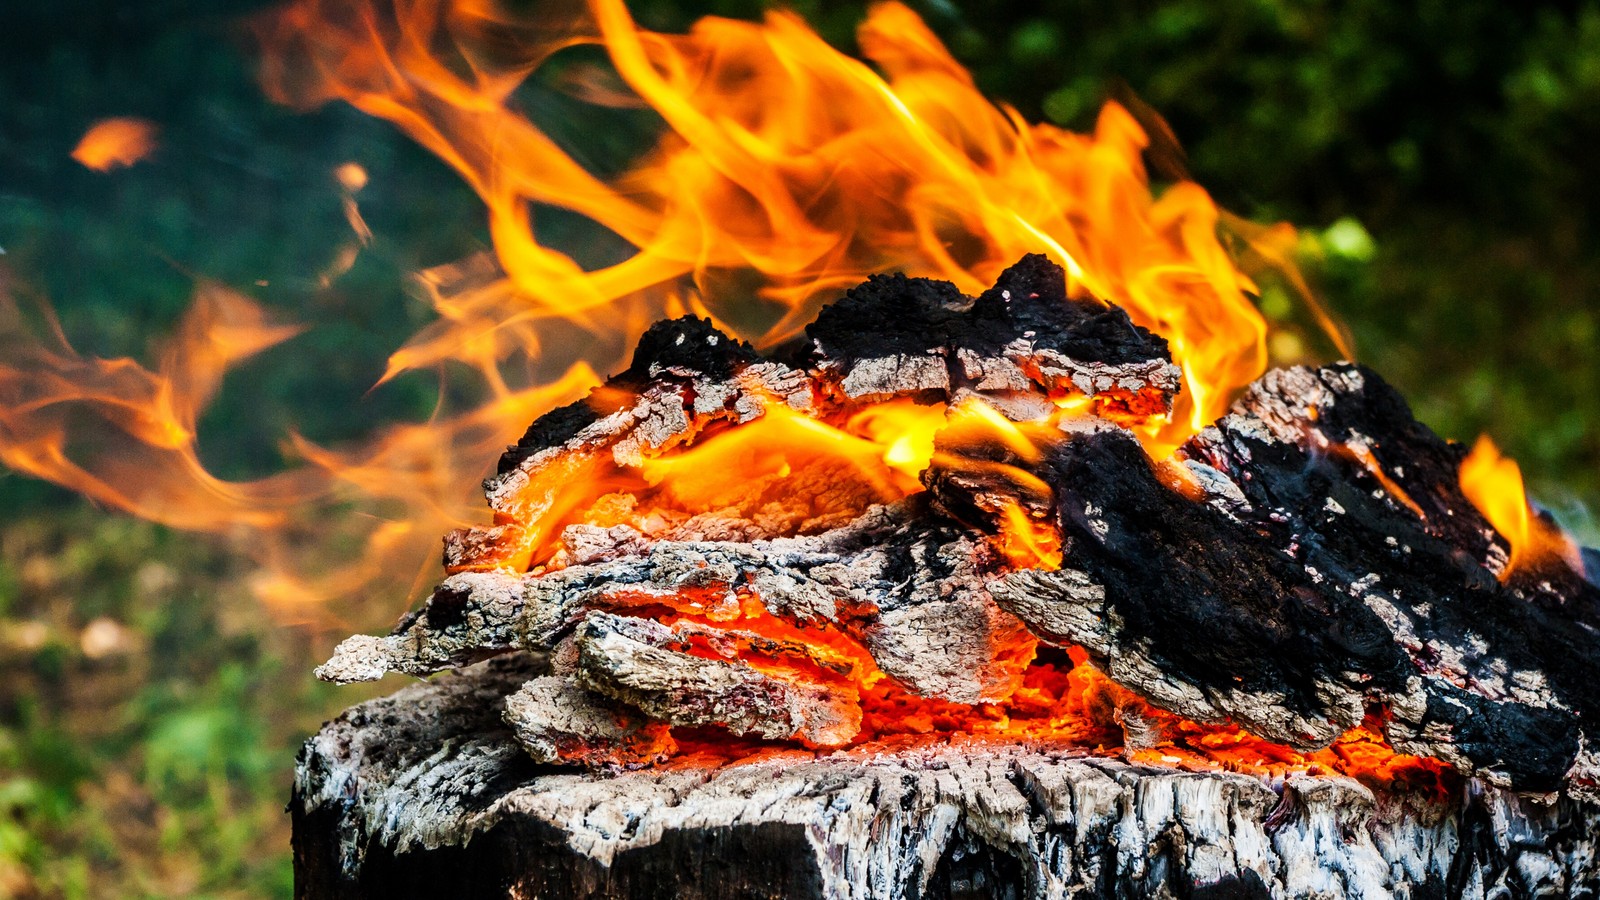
(1335, 570)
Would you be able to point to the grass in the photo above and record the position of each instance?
(150, 716)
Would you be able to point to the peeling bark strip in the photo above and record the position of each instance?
(426, 793)
(1334, 567)
(896, 579)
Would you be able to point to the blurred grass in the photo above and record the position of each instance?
(150, 715)
(1439, 156)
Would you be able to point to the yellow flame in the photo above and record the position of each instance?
(783, 167)
(783, 156)
(1494, 485)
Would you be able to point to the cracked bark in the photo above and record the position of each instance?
(1332, 568)
(963, 820)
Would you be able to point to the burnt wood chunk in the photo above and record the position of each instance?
(558, 720)
(906, 592)
(629, 660)
(1330, 569)
(687, 349)
(427, 793)
(1306, 565)
(896, 335)
(1020, 344)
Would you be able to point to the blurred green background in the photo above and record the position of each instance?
(1439, 156)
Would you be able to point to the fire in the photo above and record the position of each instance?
(126, 436)
(785, 172)
(112, 143)
(1494, 485)
(143, 457)
(785, 158)
(1058, 699)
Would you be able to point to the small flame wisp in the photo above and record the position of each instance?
(1493, 482)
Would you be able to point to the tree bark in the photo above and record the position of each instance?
(427, 793)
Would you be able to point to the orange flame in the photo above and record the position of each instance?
(786, 157)
(1494, 485)
(111, 143)
(126, 436)
(143, 458)
(784, 172)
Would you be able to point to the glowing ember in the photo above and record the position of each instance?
(113, 143)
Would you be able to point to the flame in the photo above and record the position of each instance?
(110, 143)
(785, 172)
(126, 435)
(1494, 485)
(142, 456)
(784, 157)
(777, 444)
(1027, 542)
(783, 167)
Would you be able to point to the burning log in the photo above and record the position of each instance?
(931, 540)
(1333, 564)
(878, 579)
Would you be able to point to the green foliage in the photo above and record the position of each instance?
(149, 720)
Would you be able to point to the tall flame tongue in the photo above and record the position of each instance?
(785, 172)
(783, 156)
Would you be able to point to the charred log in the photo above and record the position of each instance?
(1019, 344)
(1334, 570)
(1306, 569)
(895, 335)
(910, 589)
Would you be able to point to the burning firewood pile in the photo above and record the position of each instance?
(922, 605)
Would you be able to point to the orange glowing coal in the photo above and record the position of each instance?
(1494, 485)
(113, 143)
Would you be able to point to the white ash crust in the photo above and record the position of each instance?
(556, 719)
(889, 376)
(1055, 369)
(1021, 367)
(931, 648)
(845, 578)
(625, 659)
(879, 823)
(359, 657)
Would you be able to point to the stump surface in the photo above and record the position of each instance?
(427, 793)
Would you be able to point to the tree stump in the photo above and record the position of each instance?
(427, 793)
